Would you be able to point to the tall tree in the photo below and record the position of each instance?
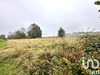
(34, 31)
(61, 32)
(97, 3)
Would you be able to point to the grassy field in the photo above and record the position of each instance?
(44, 56)
(2, 44)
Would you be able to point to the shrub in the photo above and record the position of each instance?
(90, 43)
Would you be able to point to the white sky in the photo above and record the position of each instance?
(72, 15)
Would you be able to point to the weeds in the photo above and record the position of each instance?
(48, 56)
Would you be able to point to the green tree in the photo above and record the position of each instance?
(34, 31)
(61, 32)
(19, 34)
(97, 3)
(3, 37)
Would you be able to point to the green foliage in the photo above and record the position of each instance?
(90, 43)
(61, 32)
(3, 37)
(34, 31)
(97, 2)
(19, 34)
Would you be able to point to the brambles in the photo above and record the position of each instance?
(91, 46)
(90, 43)
(74, 53)
(49, 56)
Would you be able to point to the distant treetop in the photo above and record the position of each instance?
(97, 3)
(61, 32)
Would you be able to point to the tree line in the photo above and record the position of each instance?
(33, 31)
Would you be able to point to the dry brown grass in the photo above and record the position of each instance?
(33, 47)
(27, 51)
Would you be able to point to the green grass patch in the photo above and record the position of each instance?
(3, 44)
(8, 67)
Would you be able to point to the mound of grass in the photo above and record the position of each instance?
(2, 44)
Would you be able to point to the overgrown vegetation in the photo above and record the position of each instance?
(91, 45)
(52, 56)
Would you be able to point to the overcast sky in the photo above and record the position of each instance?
(72, 15)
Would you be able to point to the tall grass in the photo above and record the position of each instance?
(49, 56)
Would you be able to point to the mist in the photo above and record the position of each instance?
(50, 15)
